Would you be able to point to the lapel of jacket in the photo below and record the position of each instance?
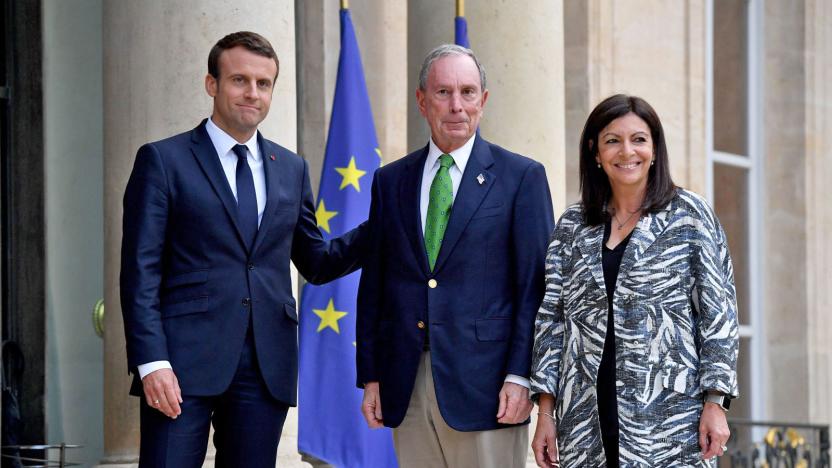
(276, 183)
(410, 191)
(468, 198)
(206, 155)
(648, 229)
(589, 240)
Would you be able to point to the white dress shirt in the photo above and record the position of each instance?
(461, 156)
(223, 143)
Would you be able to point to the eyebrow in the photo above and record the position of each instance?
(616, 135)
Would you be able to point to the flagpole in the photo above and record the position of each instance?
(344, 4)
(460, 7)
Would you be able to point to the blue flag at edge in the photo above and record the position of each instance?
(461, 32)
(331, 426)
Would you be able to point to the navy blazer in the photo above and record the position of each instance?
(487, 285)
(189, 284)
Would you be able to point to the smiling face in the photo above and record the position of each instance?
(625, 151)
(243, 92)
(452, 101)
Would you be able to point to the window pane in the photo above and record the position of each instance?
(730, 84)
(731, 206)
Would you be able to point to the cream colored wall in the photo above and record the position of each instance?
(786, 260)
(590, 48)
(818, 140)
(649, 48)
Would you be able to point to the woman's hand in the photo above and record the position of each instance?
(545, 440)
(713, 431)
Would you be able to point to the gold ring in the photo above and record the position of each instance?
(156, 402)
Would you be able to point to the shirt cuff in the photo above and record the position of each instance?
(516, 379)
(145, 369)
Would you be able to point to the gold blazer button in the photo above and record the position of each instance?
(432, 283)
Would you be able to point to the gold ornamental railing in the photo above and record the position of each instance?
(775, 444)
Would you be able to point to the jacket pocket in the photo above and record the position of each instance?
(291, 312)
(191, 277)
(488, 211)
(193, 306)
(680, 378)
(493, 329)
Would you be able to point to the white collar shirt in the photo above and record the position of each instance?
(460, 155)
(223, 143)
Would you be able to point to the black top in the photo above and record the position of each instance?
(607, 401)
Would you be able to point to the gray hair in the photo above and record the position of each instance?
(446, 50)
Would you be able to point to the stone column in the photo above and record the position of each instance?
(818, 20)
(614, 47)
(521, 48)
(786, 175)
(155, 62)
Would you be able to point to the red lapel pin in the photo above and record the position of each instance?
(272, 156)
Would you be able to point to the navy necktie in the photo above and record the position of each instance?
(246, 197)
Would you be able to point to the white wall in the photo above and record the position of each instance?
(72, 85)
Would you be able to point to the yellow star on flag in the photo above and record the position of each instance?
(323, 216)
(350, 175)
(329, 317)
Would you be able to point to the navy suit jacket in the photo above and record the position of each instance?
(488, 284)
(190, 285)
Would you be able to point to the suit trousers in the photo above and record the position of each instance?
(247, 424)
(424, 440)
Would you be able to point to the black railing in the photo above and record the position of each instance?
(775, 444)
(24, 456)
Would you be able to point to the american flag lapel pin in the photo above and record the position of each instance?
(481, 179)
(271, 157)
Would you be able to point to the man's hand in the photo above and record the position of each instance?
(713, 431)
(515, 406)
(545, 442)
(161, 390)
(371, 406)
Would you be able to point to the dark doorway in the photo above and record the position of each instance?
(22, 191)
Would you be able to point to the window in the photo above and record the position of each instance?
(733, 172)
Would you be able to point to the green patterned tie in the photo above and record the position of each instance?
(439, 208)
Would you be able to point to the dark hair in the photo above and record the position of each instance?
(251, 41)
(595, 186)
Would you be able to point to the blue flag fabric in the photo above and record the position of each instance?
(331, 426)
(461, 32)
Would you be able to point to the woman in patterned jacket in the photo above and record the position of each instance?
(637, 333)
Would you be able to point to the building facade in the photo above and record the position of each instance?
(742, 87)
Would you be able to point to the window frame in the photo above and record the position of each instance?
(752, 163)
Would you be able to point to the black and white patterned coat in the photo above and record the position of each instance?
(676, 334)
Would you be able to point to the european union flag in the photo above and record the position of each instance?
(331, 426)
(461, 33)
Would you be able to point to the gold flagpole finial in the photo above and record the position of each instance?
(460, 7)
(344, 4)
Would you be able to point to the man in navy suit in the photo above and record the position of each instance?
(452, 283)
(212, 218)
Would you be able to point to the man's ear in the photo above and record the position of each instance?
(211, 85)
(420, 101)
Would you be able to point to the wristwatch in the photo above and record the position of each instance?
(719, 398)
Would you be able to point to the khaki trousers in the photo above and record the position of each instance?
(423, 440)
